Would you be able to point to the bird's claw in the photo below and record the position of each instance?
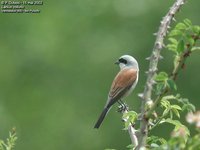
(122, 108)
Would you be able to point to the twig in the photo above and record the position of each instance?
(131, 130)
(154, 58)
(132, 133)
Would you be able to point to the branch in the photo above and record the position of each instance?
(133, 136)
(131, 130)
(154, 58)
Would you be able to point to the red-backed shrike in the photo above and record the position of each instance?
(123, 84)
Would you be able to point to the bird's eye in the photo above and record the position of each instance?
(122, 60)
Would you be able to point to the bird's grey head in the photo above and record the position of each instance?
(126, 61)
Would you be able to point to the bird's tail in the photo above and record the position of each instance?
(101, 117)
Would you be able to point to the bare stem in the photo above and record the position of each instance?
(132, 133)
(154, 58)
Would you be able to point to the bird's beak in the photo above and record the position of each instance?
(117, 63)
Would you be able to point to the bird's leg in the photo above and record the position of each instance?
(119, 102)
(122, 106)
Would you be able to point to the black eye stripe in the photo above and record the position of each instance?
(122, 60)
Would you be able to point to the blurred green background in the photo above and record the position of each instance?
(56, 68)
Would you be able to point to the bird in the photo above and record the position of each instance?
(123, 84)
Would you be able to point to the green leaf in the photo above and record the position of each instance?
(154, 145)
(190, 41)
(176, 112)
(156, 140)
(178, 125)
(171, 84)
(196, 29)
(171, 114)
(175, 33)
(172, 47)
(131, 117)
(173, 122)
(131, 114)
(162, 76)
(187, 22)
(10, 141)
(169, 97)
(165, 103)
(189, 107)
(185, 100)
(180, 47)
(186, 104)
(165, 112)
(180, 26)
(173, 41)
(176, 107)
(184, 127)
(159, 88)
(195, 48)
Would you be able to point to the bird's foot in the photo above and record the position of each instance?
(122, 108)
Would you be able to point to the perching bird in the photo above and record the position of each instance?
(123, 84)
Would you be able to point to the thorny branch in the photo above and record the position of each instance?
(154, 58)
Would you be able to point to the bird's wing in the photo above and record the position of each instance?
(121, 84)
